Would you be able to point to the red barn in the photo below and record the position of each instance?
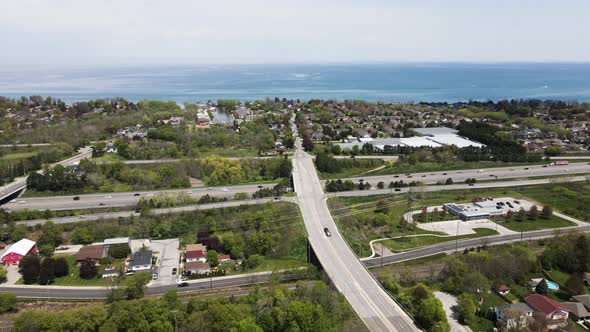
(17, 251)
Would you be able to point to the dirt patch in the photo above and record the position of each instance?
(196, 182)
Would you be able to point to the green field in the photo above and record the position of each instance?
(17, 155)
(533, 225)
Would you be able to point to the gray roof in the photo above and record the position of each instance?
(141, 258)
(520, 307)
(117, 240)
(576, 308)
(584, 299)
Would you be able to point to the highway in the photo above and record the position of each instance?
(482, 185)
(123, 199)
(495, 173)
(127, 214)
(366, 296)
(21, 182)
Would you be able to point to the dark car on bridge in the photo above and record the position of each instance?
(327, 231)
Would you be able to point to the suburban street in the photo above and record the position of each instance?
(373, 305)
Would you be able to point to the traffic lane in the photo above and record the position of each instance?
(502, 184)
(480, 174)
(124, 199)
(127, 214)
(450, 246)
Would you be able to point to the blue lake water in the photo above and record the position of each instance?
(386, 82)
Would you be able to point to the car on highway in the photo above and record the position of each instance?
(277, 198)
(516, 201)
(12, 201)
(398, 189)
(174, 271)
(444, 173)
(471, 184)
(224, 189)
(101, 204)
(396, 176)
(526, 168)
(108, 197)
(136, 194)
(22, 202)
(150, 194)
(327, 231)
(76, 198)
(183, 284)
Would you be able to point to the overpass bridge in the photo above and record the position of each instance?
(371, 302)
(20, 183)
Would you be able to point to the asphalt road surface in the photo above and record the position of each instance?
(480, 174)
(21, 182)
(127, 214)
(373, 305)
(122, 199)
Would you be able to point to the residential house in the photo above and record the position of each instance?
(584, 299)
(224, 258)
(577, 310)
(92, 252)
(140, 261)
(14, 254)
(555, 314)
(514, 315)
(196, 268)
(502, 289)
(195, 256)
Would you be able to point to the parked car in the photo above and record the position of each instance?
(174, 271)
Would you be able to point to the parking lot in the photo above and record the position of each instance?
(168, 257)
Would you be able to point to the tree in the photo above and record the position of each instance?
(7, 302)
(542, 288)
(307, 143)
(533, 212)
(119, 251)
(382, 206)
(509, 215)
(47, 271)
(213, 257)
(521, 216)
(88, 269)
(135, 284)
(3, 273)
(62, 268)
(254, 261)
(380, 185)
(575, 283)
(547, 212)
(430, 312)
(466, 307)
(449, 181)
(29, 267)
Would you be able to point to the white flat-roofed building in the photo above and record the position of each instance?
(455, 140)
(117, 240)
(434, 131)
(418, 141)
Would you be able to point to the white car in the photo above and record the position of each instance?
(150, 194)
(108, 197)
(224, 189)
(22, 202)
(13, 201)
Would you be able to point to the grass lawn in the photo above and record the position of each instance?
(73, 279)
(533, 225)
(481, 324)
(274, 264)
(403, 244)
(435, 167)
(17, 155)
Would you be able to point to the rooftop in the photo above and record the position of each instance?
(543, 304)
(434, 131)
(141, 258)
(21, 247)
(196, 246)
(116, 240)
(92, 252)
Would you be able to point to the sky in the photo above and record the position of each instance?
(74, 32)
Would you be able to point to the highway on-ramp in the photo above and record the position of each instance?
(373, 305)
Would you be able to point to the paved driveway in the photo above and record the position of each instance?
(449, 303)
(168, 258)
